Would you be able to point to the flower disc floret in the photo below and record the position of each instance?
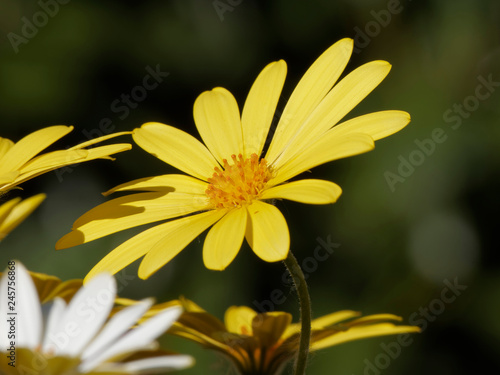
(239, 183)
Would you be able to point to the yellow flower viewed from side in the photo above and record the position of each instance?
(14, 211)
(20, 161)
(229, 179)
(263, 343)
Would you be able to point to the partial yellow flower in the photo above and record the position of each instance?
(21, 161)
(230, 179)
(14, 211)
(125, 302)
(263, 343)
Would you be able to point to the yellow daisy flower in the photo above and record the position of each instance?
(263, 343)
(230, 179)
(14, 211)
(20, 161)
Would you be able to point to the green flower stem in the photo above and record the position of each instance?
(305, 312)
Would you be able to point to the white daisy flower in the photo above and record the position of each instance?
(79, 337)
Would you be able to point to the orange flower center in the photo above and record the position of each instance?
(239, 183)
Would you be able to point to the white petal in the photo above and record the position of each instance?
(29, 312)
(84, 317)
(116, 327)
(137, 338)
(4, 324)
(57, 310)
(159, 364)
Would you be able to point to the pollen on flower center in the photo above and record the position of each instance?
(239, 183)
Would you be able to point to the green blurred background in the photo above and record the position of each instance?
(399, 230)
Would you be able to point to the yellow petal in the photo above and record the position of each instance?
(260, 106)
(171, 238)
(201, 323)
(92, 142)
(7, 179)
(311, 89)
(196, 336)
(375, 318)
(179, 183)
(189, 305)
(269, 327)
(334, 318)
(176, 235)
(323, 322)
(65, 290)
(328, 148)
(104, 152)
(238, 319)
(30, 146)
(196, 317)
(53, 160)
(7, 207)
(127, 212)
(20, 212)
(176, 148)
(337, 103)
(267, 232)
(217, 118)
(224, 240)
(305, 191)
(361, 332)
(5, 145)
(128, 252)
(57, 159)
(153, 310)
(377, 124)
